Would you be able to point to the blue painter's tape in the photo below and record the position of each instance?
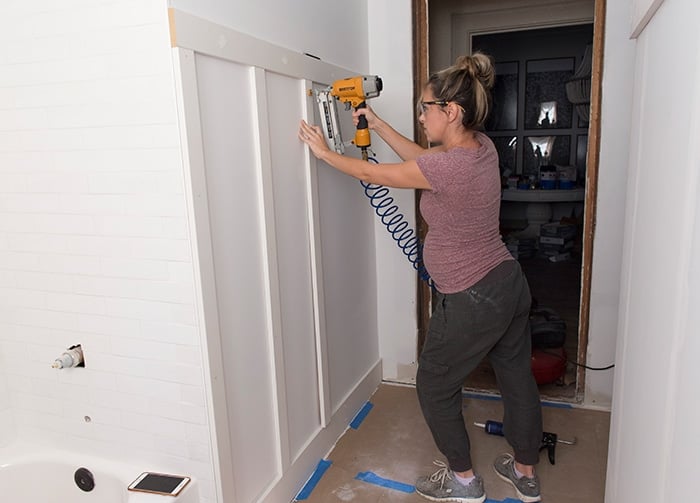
(557, 405)
(372, 478)
(497, 398)
(323, 465)
(357, 420)
(507, 500)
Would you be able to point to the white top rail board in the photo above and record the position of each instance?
(202, 36)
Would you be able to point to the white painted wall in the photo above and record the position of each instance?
(333, 30)
(654, 414)
(391, 57)
(616, 122)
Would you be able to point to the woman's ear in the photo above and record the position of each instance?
(453, 111)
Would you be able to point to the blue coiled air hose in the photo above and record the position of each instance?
(381, 200)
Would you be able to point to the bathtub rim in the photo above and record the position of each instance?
(22, 452)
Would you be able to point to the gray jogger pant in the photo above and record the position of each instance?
(490, 318)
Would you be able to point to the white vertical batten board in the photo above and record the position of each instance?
(316, 264)
(266, 210)
(289, 189)
(202, 256)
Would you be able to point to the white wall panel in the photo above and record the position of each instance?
(293, 254)
(350, 288)
(233, 192)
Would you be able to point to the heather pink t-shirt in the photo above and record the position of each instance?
(463, 242)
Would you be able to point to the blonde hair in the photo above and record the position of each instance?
(468, 83)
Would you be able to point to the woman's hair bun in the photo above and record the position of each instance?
(479, 66)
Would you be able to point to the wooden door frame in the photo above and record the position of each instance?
(420, 72)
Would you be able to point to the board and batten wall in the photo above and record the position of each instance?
(283, 244)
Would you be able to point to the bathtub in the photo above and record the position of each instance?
(29, 474)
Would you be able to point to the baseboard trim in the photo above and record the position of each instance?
(294, 478)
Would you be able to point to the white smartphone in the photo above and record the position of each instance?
(159, 483)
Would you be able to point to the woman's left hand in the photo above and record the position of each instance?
(313, 137)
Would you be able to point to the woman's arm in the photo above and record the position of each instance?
(406, 175)
(406, 149)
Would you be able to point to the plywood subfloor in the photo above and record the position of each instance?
(394, 443)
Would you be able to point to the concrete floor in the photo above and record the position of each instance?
(393, 442)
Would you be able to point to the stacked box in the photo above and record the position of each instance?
(521, 248)
(556, 241)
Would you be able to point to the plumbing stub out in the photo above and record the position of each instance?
(71, 357)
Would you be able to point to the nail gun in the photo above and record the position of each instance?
(353, 91)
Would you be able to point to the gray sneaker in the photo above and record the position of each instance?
(528, 489)
(442, 486)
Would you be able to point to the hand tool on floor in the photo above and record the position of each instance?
(549, 440)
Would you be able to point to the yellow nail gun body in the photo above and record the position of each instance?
(353, 91)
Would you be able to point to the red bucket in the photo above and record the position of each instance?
(548, 365)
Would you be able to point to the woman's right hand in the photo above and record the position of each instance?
(372, 119)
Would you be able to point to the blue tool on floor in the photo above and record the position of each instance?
(549, 440)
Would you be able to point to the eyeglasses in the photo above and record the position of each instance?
(422, 106)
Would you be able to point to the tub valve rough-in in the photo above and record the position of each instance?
(71, 357)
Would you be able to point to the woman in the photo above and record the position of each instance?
(483, 300)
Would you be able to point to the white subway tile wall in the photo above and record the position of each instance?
(94, 238)
(7, 425)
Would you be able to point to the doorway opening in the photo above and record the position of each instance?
(560, 281)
